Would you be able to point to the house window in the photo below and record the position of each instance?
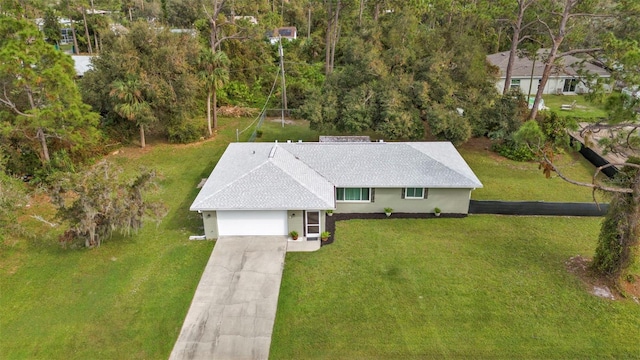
(353, 194)
(570, 85)
(515, 84)
(415, 193)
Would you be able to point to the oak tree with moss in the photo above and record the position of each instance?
(102, 200)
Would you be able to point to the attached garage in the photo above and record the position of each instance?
(244, 222)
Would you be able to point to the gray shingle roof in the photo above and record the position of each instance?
(522, 65)
(252, 176)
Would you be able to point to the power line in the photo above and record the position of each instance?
(284, 86)
(264, 108)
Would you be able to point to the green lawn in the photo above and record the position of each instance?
(504, 179)
(583, 109)
(479, 287)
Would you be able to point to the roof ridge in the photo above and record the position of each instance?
(309, 167)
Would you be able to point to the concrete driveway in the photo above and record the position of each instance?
(234, 307)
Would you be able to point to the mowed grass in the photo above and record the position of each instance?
(474, 288)
(505, 179)
(584, 108)
(126, 299)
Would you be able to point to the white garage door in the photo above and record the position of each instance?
(234, 223)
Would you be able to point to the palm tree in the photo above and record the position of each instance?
(131, 103)
(214, 74)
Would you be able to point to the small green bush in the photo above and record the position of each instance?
(184, 132)
(513, 151)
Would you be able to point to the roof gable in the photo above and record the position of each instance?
(263, 177)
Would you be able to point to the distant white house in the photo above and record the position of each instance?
(564, 77)
(82, 64)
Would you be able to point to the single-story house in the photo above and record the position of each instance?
(276, 188)
(564, 77)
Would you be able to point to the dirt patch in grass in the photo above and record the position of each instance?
(600, 286)
(631, 287)
(478, 144)
(482, 145)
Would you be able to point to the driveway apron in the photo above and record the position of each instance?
(234, 307)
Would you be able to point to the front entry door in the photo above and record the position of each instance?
(313, 224)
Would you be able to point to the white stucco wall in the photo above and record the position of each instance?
(553, 84)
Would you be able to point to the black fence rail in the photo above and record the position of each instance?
(595, 158)
(536, 208)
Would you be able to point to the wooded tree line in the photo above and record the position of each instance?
(404, 69)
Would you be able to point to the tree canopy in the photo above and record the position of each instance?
(146, 78)
(42, 115)
(386, 80)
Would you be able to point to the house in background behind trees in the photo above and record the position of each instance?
(276, 188)
(288, 33)
(82, 64)
(564, 80)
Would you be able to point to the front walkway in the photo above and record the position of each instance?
(234, 307)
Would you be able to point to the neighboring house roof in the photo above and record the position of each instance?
(268, 176)
(287, 32)
(567, 65)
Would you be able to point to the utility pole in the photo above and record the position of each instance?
(284, 86)
(309, 23)
(533, 67)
